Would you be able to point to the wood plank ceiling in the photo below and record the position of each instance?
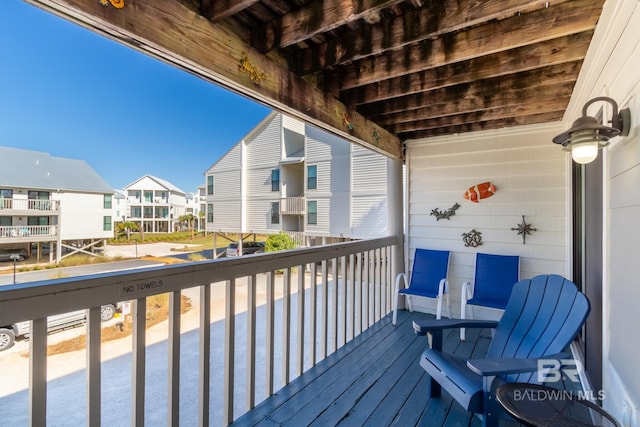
(376, 71)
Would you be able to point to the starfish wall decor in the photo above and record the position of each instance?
(524, 229)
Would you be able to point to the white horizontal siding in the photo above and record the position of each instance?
(529, 173)
(258, 216)
(368, 172)
(230, 161)
(293, 124)
(226, 215)
(264, 147)
(368, 216)
(226, 184)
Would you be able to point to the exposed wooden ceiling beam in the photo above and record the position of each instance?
(217, 10)
(317, 17)
(469, 104)
(173, 32)
(481, 88)
(413, 26)
(497, 124)
(530, 28)
(500, 113)
(567, 52)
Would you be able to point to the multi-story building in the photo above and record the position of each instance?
(154, 204)
(290, 176)
(51, 203)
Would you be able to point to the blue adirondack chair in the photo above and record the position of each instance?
(428, 280)
(494, 278)
(543, 316)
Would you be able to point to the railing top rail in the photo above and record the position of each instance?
(32, 300)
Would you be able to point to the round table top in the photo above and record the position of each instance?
(541, 406)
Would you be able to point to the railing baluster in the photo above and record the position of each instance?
(173, 393)
(251, 342)
(324, 311)
(313, 312)
(38, 373)
(359, 292)
(366, 305)
(343, 311)
(286, 325)
(389, 279)
(352, 296)
(334, 303)
(269, 333)
(138, 361)
(301, 303)
(229, 350)
(205, 355)
(93, 366)
(378, 283)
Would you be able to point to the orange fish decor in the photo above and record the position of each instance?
(480, 191)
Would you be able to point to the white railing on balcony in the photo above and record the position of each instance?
(340, 290)
(29, 205)
(293, 205)
(297, 237)
(28, 232)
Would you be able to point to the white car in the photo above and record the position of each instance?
(9, 333)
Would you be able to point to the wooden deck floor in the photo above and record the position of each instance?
(375, 380)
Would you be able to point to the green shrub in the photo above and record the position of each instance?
(279, 242)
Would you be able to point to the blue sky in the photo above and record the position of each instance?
(72, 93)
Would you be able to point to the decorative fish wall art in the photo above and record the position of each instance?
(480, 191)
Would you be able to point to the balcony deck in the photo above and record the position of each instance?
(373, 380)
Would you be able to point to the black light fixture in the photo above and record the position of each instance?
(588, 135)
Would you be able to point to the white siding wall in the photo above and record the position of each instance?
(368, 193)
(227, 199)
(81, 216)
(263, 155)
(529, 173)
(611, 69)
(332, 157)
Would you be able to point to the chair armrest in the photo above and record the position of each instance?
(503, 366)
(399, 277)
(422, 327)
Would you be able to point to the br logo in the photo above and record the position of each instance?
(550, 370)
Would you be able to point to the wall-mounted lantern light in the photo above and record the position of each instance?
(588, 135)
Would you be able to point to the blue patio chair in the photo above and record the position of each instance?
(428, 280)
(543, 316)
(494, 278)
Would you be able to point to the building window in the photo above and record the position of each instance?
(210, 212)
(106, 223)
(312, 177)
(6, 221)
(5, 198)
(136, 212)
(275, 180)
(210, 185)
(148, 196)
(275, 212)
(107, 201)
(312, 213)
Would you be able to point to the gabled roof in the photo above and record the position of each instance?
(166, 184)
(37, 170)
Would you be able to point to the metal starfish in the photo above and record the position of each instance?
(524, 229)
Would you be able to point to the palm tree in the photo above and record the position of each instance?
(188, 219)
(127, 227)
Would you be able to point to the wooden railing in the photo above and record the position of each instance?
(28, 232)
(28, 205)
(293, 205)
(340, 290)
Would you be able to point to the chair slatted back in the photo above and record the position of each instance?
(542, 317)
(429, 267)
(495, 276)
